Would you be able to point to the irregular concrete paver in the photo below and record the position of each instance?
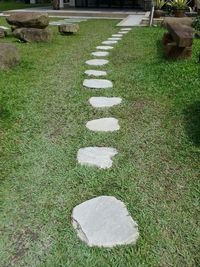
(109, 42)
(103, 125)
(96, 156)
(123, 32)
(103, 47)
(97, 83)
(100, 53)
(104, 221)
(126, 29)
(96, 73)
(97, 62)
(103, 102)
(117, 35)
(114, 39)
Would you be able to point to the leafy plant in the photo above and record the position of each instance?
(159, 4)
(196, 24)
(179, 4)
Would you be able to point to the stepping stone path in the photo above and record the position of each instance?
(97, 62)
(102, 47)
(104, 102)
(96, 73)
(103, 125)
(100, 54)
(104, 221)
(97, 83)
(100, 157)
(109, 42)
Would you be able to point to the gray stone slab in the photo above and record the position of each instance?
(104, 102)
(97, 83)
(100, 54)
(131, 20)
(100, 157)
(104, 221)
(103, 125)
(96, 73)
(124, 32)
(109, 42)
(117, 35)
(97, 62)
(114, 39)
(103, 47)
(126, 29)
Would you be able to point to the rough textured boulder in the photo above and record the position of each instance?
(68, 28)
(29, 20)
(2, 33)
(33, 35)
(9, 56)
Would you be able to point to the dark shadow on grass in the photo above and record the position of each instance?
(192, 122)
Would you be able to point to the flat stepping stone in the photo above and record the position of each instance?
(97, 62)
(100, 157)
(126, 29)
(114, 39)
(104, 102)
(96, 73)
(104, 221)
(102, 47)
(100, 53)
(109, 42)
(103, 125)
(117, 35)
(97, 83)
(123, 32)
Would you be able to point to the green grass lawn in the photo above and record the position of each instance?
(44, 109)
(9, 5)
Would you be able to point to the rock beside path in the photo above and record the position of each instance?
(29, 20)
(33, 34)
(9, 56)
(66, 29)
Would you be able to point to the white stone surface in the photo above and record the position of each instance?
(104, 102)
(114, 39)
(96, 73)
(109, 42)
(123, 32)
(102, 47)
(131, 20)
(96, 156)
(97, 62)
(100, 54)
(103, 125)
(126, 29)
(97, 83)
(104, 221)
(117, 35)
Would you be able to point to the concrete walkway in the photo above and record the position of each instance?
(131, 21)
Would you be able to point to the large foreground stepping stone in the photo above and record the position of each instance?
(114, 39)
(117, 35)
(100, 53)
(104, 102)
(103, 125)
(96, 73)
(104, 221)
(97, 62)
(97, 83)
(96, 156)
(102, 47)
(109, 42)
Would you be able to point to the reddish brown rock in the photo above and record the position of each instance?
(29, 20)
(33, 35)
